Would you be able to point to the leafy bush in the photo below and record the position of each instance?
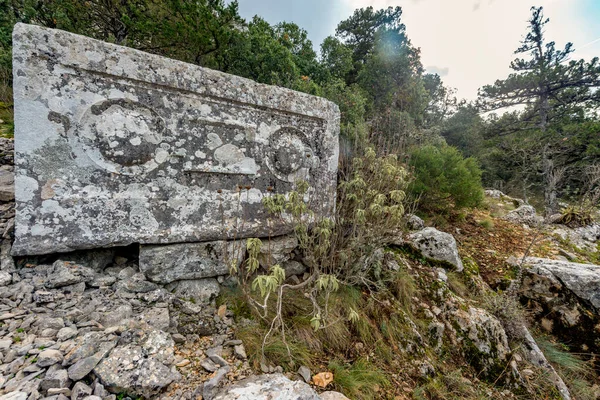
(444, 178)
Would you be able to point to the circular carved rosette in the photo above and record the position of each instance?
(123, 136)
(290, 156)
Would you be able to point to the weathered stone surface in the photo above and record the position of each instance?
(581, 279)
(276, 250)
(268, 387)
(184, 261)
(14, 396)
(564, 297)
(436, 245)
(484, 339)
(525, 214)
(201, 290)
(127, 369)
(7, 186)
(114, 146)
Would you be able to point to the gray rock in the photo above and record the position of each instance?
(268, 387)
(209, 390)
(88, 345)
(525, 214)
(55, 378)
(186, 261)
(80, 391)
(5, 278)
(200, 290)
(115, 316)
(160, 161)
(486, 342)
(293, 267)
(49, 357)
(64, 273)
(15, 396)
(177, 338)
(240, 352)
(209, 365)
(66, 333)
(50, 323)
(128, 370)
(436, 245)
(414, 223)
(156, 317)
(583, 280)
(7, 186)
(44, 296)
(277, 250)
(83, 367)
(305, 373)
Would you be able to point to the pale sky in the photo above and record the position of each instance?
(470, 43)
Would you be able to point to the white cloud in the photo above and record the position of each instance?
(475, 39)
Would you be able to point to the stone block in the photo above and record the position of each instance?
(115, 146)
(186, 261)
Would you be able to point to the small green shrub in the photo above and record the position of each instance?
(361, 380)
(444, 178)
(487, 223)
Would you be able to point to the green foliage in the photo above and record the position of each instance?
(443, 178)
(577, 373)
(509, 312)
(359, 380)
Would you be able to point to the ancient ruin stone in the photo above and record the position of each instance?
(185, 261)
(114, 146)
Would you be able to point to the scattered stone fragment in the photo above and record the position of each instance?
(49, 357)
(240, 351)
(66, 333)
(305, 373)
(55, 378)
(80, 391)
(210, 387)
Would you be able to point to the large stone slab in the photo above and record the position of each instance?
(115, 146)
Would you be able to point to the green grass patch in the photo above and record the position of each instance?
(360, 380)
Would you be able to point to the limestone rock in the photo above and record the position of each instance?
(80, 391)
(160, 160)
(185, 261)
(583, 280)
(436, 245)
(293, 267)
(127, 370)
(141, 367)
(483, 338)
(49, 357)
(201, 290)
(276, 250)
(7, 186)
(414, 223)
(65, 273)
(268, 387)
(15, 396)
(525, 214)
(5, 278)
(565, 298)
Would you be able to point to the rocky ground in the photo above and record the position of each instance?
(91, 325)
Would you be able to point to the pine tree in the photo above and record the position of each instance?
(552, 89)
